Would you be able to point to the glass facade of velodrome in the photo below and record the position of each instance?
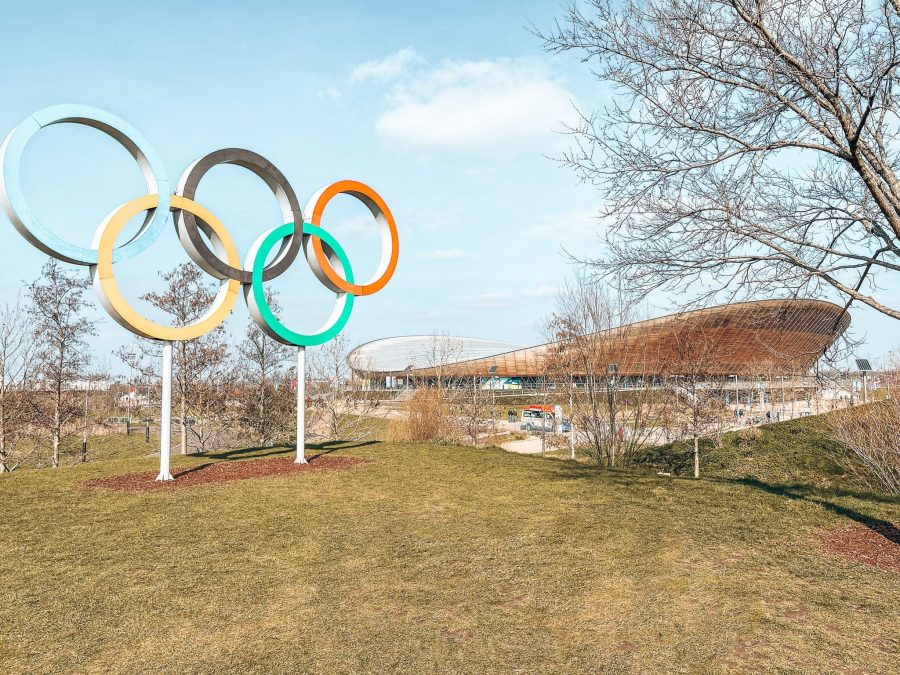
(787, 336)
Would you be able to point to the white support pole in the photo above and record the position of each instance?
(301, 406)
(165, 425)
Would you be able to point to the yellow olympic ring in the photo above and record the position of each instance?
(107, 290)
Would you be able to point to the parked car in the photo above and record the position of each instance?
(544, 423)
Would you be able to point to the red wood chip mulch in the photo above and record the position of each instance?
(221, 472)
(877, 545)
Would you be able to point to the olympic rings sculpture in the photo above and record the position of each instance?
(325, 256)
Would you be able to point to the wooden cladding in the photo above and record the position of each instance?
(786, 336)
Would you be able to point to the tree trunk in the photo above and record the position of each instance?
(613, 435)
(696, 456)
(183, 426)
(4, 460)
(263, 432)
(596, 424)
(571, 421)
(55, 459)
(57, 407)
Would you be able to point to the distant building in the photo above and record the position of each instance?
(89, 385)
(786, 336)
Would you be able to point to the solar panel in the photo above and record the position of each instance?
(863, 365)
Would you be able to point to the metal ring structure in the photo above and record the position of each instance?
(189, 232)
(390, 241)
(321, 249)
(27, 223)
(113, 301)
(255, 294)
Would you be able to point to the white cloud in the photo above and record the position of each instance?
(332, 94)
(475, 105)
(509, 298)
(386, 69)
(449, 254)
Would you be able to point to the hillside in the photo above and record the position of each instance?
(798, 451)
(435, 558)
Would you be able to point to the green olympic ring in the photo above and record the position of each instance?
(256, 294)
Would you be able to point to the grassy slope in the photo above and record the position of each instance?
(436, 558)
(799, 451)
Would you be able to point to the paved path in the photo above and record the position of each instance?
(530, 446)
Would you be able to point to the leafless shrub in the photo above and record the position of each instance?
(264, 398)
(17, 403)
(426, 417)
(340, 407)
(872, 433)
(589, 330)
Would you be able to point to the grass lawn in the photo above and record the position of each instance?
(800, 451)
(437, 558)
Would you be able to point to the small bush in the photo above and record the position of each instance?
(676, 458)
(872, 433)
(425, 418)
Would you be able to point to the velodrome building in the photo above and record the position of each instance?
(773, 336)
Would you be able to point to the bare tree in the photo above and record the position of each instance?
(698, 397)
(344, 407)
(210, 418)
(470, 407)
(467, 401)
(748, 145)
(60, 331)
(265, 401)
(201, 366)
(442, 352)
(589, 329)
(17, 352)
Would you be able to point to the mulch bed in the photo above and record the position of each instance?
(877, 545)
(222, 472)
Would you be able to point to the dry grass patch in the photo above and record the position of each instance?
(433, 558)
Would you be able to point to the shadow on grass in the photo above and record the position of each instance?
(314, 452)
(328, 447)
(331, 446)
(813, 495)
(806, 491)
(258, 452)
(569, 470)
(200, 467)
(255, 452)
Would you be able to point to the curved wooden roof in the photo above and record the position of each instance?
(747, 337)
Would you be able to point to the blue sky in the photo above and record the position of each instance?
(449, 110)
